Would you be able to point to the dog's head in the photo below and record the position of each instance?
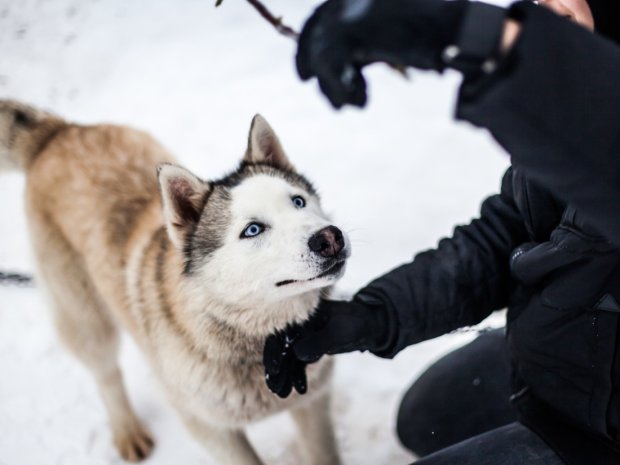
(257, 237)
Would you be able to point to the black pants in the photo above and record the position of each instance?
(458, 411)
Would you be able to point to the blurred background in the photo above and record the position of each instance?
(397, 176)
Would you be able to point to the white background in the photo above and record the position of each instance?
(396, 176)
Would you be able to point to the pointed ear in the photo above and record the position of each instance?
(182, 196)
(264, 146)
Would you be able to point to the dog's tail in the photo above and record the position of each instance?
(24, 131)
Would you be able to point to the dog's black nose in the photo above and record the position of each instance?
(327, 242)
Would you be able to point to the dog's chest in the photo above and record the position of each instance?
(231, 393)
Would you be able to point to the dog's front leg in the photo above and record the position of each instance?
(317, 432)
(227, 446)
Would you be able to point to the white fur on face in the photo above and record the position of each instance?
(246, 270)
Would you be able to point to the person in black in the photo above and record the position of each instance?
(547, 247)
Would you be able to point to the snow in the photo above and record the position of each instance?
(396, 176)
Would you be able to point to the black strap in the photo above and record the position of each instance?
(477, 47)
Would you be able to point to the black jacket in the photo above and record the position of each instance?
(552, 255)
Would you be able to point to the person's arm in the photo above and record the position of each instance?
(457, 284)
(554, 105)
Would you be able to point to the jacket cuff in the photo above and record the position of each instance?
(386, 323)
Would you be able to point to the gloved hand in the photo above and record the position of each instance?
(342, 36)
(336, 327)
(283, 370)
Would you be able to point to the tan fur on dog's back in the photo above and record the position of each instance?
(24, 131)
(95, 169)
(105, 257)
(77, 173)
(89, 169)
(86, 189)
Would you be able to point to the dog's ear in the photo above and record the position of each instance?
(183, 196)
(264, 146)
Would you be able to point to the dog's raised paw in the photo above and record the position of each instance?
(134, 444)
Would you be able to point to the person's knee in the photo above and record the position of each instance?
(421, 424)
(407, 429)
(435, 412)
(410, 432)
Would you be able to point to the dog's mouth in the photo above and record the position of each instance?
(333, 269)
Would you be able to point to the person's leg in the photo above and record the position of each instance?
(512, 444)
(463, 394)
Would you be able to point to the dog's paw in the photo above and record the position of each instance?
(134, 443)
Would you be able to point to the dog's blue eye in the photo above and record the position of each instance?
(252, 230)
(299, 201)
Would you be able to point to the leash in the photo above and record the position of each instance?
(16, 279)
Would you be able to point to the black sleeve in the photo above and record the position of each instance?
(554, 105)
(457, 284)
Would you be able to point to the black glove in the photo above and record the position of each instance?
(283, 370)
(339, 326)
(336, 327)
(342, 36)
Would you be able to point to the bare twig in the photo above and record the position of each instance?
(275, 22)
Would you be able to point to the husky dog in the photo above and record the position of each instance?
(199, 273)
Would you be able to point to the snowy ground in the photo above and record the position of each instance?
(397, 176)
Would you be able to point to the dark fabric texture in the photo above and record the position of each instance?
(460, 282)
(463, 394)
(337, 327)
(560, 280)
(466, 393)
(573, 444)
(513, 444)
(607, 18)
(554, 105)
(477, 45)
